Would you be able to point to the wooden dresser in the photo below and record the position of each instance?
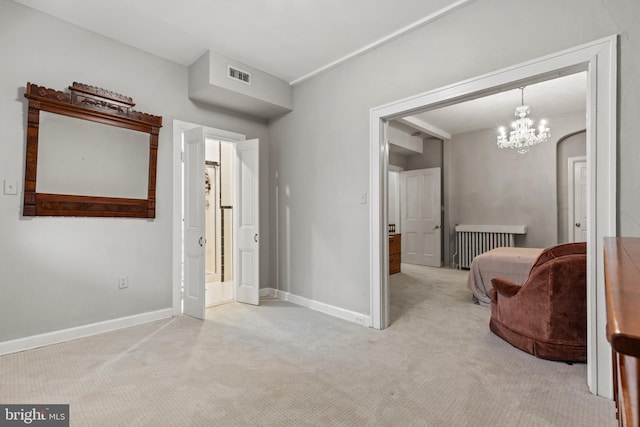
(394, 253)
(622, 287)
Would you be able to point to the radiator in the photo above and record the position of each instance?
(473, 240)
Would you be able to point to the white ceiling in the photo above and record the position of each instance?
(292, 39)
(286, 38)
(547, 99)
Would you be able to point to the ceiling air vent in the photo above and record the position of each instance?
(237, 74)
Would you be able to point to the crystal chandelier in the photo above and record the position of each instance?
(523, 135)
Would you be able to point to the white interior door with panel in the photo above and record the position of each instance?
(394, 198)
(194, 224)
(421, 213)
(247, 223)
(578, 194)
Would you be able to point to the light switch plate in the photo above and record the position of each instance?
(363, 198)
(10, 187)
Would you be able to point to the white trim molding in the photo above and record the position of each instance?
(56, 337)
(331, 310)
(381, 41)
(599, 60)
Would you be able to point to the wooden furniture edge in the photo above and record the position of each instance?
(623, 333)
(622, 291)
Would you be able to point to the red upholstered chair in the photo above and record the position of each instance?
(559, 250)
(547, 315)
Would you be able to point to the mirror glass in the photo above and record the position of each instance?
(86, 158)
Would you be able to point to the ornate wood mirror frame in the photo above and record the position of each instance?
(96, 105)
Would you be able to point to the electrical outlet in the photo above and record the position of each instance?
(123, 282)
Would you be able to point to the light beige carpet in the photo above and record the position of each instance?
(283, 365)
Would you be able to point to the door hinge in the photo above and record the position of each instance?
(182, 156)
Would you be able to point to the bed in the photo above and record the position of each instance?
(510, 263)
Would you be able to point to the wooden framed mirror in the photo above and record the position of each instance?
(89, 154)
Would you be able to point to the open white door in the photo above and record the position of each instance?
(247, 220)
(421, 212)
(194, 226)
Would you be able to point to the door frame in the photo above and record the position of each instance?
(179, 127)
(572, 161)
(599, 60)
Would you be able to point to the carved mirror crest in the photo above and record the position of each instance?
(89, 154)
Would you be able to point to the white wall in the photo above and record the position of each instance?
(404, 140)
(323, 236)
(431, 156)
(58, 273)
(212, 150)
(398, 160)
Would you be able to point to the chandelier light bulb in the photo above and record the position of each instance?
(523, 136)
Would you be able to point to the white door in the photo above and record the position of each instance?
(394, 200)
(246, 218)
(421, 213)
(194, 225)
(578, 193)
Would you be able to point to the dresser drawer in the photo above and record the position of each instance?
(394, 244)
(394, 264)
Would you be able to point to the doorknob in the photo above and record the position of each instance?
(255, 238)
(436, 227)
(577, 224)
(200, 241)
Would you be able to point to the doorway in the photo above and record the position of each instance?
(218, 242)
(578, 195)
(598, 59)
(190, 231)
(415, 194)
(420, 204)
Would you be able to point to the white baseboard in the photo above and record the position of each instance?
(267, 292)
(331, 310)
(55, 337)
(69, 334)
